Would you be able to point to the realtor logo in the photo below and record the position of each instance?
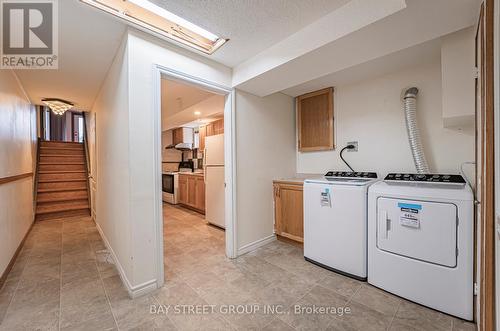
(29, 34)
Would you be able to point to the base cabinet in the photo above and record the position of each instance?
(192, 192)
(289, 211)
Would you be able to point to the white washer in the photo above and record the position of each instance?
(420, 240)
(335, 221)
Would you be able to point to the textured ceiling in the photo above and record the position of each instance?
(251, 25)
(88, 42)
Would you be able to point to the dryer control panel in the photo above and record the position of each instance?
(350, 174)
(426, 178)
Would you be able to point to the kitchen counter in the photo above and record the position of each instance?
(196, 174)
(297, 179)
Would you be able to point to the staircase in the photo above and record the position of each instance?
(62, 181)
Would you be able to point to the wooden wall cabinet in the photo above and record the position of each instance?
(289, 210)
(192, 192)
(202, 134)
(315, 121)
(211, 129)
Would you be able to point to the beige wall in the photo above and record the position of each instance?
(17, 141)
(112, 157)
(126, 185)
(265, 150)
(370, 112)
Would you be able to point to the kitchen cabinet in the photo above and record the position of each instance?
(315, 121)
(211, 129)
(202, 134)
(192, 191)
(288, 210)
(183, 190)
(200, 193)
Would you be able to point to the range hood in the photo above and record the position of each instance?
(184, 146)
(183, 139)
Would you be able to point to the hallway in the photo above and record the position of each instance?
(64, 279)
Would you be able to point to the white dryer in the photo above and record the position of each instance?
(335, 221)
(420, 240)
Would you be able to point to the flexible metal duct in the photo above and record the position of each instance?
(410, 109)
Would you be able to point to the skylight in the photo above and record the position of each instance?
(147, 15)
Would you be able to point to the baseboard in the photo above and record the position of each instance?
(133, 291)
(5, 274)
(256, 244)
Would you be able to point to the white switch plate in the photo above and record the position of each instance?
(355, 143)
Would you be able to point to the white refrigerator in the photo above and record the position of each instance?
(214, 180)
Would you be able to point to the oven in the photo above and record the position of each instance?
(170, 184)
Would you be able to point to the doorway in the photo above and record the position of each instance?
(195, 176)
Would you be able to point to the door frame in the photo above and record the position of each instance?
(486, 166)
(229, 158)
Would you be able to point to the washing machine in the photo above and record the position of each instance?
(420, 240)
(335, 221)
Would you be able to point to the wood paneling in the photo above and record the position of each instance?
(289, 211)
(485, 164)
(9, 179)
(315, 120)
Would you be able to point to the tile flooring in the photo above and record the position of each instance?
(64, 279)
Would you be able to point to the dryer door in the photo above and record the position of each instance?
(421, 230)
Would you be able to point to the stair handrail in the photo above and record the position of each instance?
(87, 160)
(35, 184)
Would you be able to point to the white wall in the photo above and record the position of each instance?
(113, 150)
(126, 129)
(457, 63)
(370, 112)
(17, 138)
(265, 150)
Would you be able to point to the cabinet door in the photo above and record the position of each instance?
(202, 135)
(289, 211)
(183, 189)
(191, 191)
(177, 136)
(315, 120)
(219, 127)
(200, 193)
(210, 129)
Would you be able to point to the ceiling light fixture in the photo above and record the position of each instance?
(197, 113)
(58, 106)
(151, 17)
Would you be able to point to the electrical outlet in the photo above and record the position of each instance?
(355, 143)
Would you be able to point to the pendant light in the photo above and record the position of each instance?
(58, 106)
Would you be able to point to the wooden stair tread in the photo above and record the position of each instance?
(53, 190)
(56, 206)
(61, 180)
(61, 163)
(61, 171)
(63, 214)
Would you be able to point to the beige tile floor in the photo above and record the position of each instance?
(64, 279)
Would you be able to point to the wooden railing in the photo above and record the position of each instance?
(5, 180)
(87, 160)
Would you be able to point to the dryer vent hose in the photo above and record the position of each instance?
(410, 110)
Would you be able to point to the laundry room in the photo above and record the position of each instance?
(401, 128)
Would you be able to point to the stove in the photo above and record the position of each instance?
(170, 185)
